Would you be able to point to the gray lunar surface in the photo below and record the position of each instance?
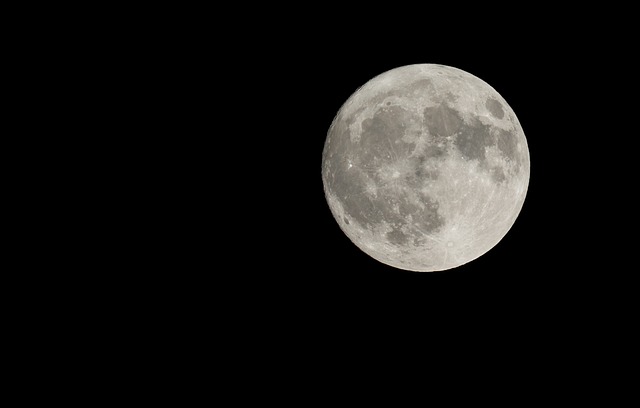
(425, 167)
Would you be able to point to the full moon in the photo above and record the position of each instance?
(425, 167)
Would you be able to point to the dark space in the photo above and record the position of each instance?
(301, 286)
(218, 256)
(542, 272)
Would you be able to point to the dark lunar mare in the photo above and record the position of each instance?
(495, 108)
(352, 166)
(471, 140)
(382, 134)
(380, 143)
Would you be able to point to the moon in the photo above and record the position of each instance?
(425, 167)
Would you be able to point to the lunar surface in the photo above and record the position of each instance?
(425, 167)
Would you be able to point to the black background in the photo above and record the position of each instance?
(547, 272)
(552, 281)
(553, 267)
(209, 237)
(544, 89)
(268, 269)
(549, 291)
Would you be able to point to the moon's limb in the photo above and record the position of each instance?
(425, 167)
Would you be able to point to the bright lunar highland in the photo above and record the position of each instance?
(425, 167)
